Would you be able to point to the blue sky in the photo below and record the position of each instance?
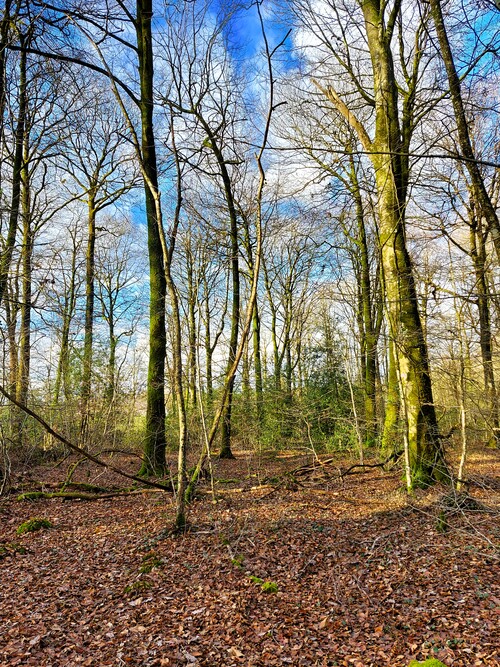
(245, 34)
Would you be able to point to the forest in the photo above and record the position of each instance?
(249, 318)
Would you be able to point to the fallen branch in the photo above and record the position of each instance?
(308, 470)
(75, 495)
(62, 486)
(75, 448)
(320, 469)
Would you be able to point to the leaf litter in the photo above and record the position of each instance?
(358, 575)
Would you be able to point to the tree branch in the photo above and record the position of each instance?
(75, 448)
(351, 118)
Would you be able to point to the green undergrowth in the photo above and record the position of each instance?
(33, 525)
(265, 586)
(150, 562)
(432, 662)
(138, 586)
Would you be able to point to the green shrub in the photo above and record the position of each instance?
(138, 586)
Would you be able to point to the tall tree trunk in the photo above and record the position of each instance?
(180, 519)
(392, 404)
(62, 380)
(277, 359)
(208, 349)
(478, 255)
(405, 327)
(257, 359)
(11, 311)
(192, 300)
(481, 196)
(226, 423)
(369, 336)
(245, 375)
(154, 445)
(288, 363)
(257, 353)
(113, 344)
(26, 306)
(10, 240)
(89, 320)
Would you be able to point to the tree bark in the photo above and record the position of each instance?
(481, 196)
(389, 440)
(192, 300)
(89, 319)
(226, 422)
(10, 240)
(388, 153)
(155, 444)
(259, 391)
(368, 333)
(478, 255)
(26, 306)
(62, 380)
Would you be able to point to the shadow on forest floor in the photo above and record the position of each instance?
(351, 572)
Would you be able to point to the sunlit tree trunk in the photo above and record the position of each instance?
(388, 152)
(154, 446)
(10, 239)
(481, 196)
(389, 439)
(89, 318)
(368, 332)
(478, 255)
(23, 375)
(405, 327)
(192, 301)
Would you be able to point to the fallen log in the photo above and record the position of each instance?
(75, 495)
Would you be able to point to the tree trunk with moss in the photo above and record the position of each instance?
(389, 151)
(367, 325)
(192, 333)
(10, 239)
(89, 319)
(389, 440)
(23, 374)
(154, 445)
(478, 255)
(405, 327)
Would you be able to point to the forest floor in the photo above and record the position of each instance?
(339, 571)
